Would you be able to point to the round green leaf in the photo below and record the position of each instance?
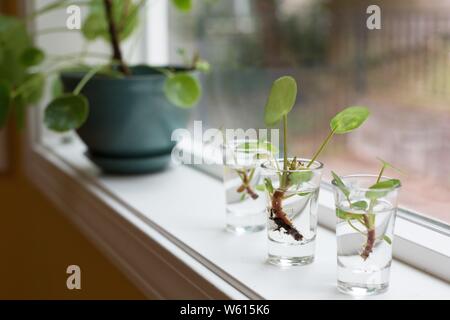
(66, 113)
(300, 177)
(182, 90)
(183, 5)
(361, 205)
(14, 40)
(382, 188)
(389, 165)
(125, 15)
(94, 26)
(32, 57)
(33, 88)
(5, 99)
(344, 215)
(281, 100)
(349, 119)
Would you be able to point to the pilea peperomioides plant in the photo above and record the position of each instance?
(280, 102)
(24, 69)
(257, 150)
(367, 218)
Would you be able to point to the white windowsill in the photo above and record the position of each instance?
(181, 212)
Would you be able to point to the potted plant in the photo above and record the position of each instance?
(124, 114)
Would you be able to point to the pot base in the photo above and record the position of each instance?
(131, 165)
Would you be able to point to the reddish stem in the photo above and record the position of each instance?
(280, 218)
(245, 186)
(368, 247)
(251, 193)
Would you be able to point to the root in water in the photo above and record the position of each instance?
(245, 186)
(368, 247)
(280, 217)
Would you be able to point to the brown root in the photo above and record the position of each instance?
(280, 218)
(245, 186)
(368, 247)
(251, 193)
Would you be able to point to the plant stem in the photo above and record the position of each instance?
(285, 142)
(280, 217)
(381, 173)
(283, 182)
(369, 221)
(324, 144)
(355, 228)
(114, 38)
(245, 186)
(88, 76)
(368, 247)
(17, 91)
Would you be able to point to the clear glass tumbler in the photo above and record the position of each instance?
(292, 211)
(245, 200)
(364, 230)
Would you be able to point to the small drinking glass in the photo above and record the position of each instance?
(364, 231)
(292, 211)
(245, 200)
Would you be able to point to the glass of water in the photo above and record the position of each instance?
(245, 199)
(292, 211)
(364, 230)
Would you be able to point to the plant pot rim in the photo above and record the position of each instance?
(146, 73)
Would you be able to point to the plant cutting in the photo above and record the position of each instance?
(125, 114)
(367, 219)
(256, 150)
(245, 209)
(365, 210)
(293, 184)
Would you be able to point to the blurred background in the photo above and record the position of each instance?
(401, 72)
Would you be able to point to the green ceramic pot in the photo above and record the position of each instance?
(130, 121)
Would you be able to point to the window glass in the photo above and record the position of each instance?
(401, 72)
